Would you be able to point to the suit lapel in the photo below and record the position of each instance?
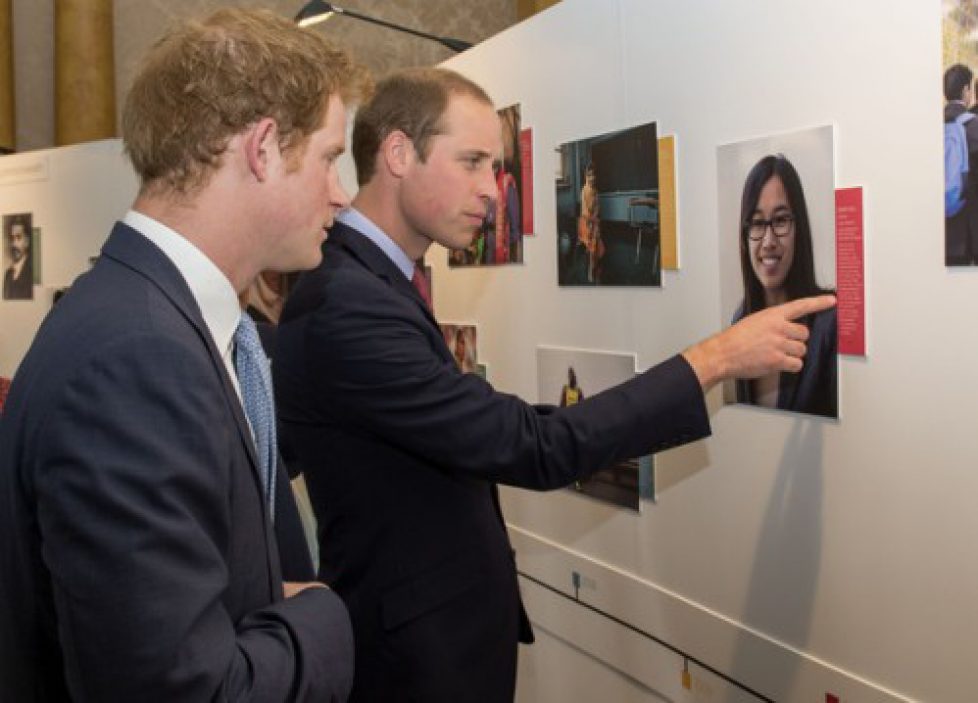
(375, 260)
(371, 257)
(136, 252)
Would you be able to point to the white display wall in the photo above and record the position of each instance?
(75, 194)
(799, 556)
(795, 555)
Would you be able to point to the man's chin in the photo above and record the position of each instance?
(310, 260)
(314, 260)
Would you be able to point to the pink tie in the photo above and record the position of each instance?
(419, 281)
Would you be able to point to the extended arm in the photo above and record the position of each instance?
(371, 363)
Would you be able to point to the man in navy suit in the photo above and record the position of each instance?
(137, 547)
(401, 451)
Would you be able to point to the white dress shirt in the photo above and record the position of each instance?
(351, 217)
(215, 296)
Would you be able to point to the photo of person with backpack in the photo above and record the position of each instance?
(960, 168)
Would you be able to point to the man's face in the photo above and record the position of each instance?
(18, 242)
(446, 197)
(309, 195)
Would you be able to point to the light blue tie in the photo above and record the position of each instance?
(255, 379)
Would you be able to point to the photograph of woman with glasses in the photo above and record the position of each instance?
(777, 264)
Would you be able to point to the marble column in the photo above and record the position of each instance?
(84, 71)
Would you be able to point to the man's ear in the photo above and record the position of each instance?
(261, 147)
(397, 153)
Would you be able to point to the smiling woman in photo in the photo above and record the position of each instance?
(777, 265)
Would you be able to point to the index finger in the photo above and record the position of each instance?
(806, 306)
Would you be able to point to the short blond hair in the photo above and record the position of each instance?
(205, 81)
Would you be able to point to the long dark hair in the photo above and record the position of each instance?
(800, 281)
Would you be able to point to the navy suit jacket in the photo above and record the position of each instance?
(401, 451)
(137, 558)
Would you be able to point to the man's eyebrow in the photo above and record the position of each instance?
(477, 152)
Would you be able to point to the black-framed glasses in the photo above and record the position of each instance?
(780, 224)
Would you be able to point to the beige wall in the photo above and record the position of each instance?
(139, 22)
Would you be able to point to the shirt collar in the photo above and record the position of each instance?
(212, 290)
(351, 217)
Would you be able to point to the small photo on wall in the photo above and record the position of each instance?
(462, 341)
(18, 256)
(776, 208)
(607, 194)
(566, 377)
(500, 241)
(959, 63)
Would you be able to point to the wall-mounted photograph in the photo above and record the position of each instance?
(18, 259)
(776, 209)
(607, 194)
(500, 241)
(566, 377)
(959, 62)
(462, 340)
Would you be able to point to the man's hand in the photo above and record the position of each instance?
(759, 344)
(292, 588)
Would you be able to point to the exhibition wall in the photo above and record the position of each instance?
(802, 557)
(74, 195)
(788, 557)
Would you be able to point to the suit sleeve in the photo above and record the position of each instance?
(374, 368)
(135, 513)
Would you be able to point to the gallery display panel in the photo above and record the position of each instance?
(801, 555)
(763, 536)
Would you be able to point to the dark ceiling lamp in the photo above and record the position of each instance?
(318, 11)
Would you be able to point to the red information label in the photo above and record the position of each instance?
(849, 262)
(526, 166)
